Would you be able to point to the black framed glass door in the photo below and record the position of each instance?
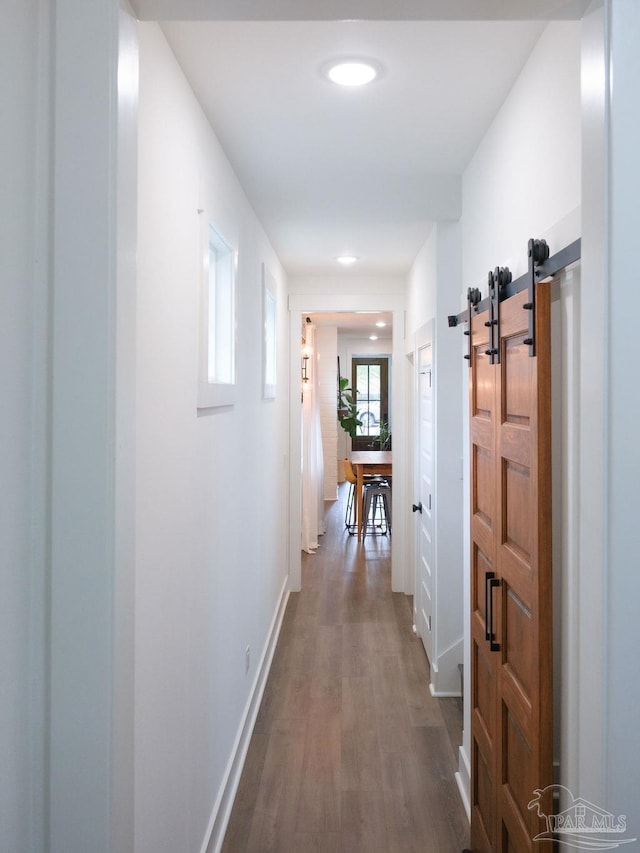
(370, 379)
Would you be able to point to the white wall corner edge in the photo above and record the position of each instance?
(463, 780)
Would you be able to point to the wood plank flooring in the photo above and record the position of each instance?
(350, 751)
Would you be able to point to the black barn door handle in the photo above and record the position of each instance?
(493, 645)
(488, 577)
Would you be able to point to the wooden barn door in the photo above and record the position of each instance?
(511, 606)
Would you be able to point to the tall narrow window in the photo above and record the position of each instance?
(269, 345)
(221, 332)
(217, 372)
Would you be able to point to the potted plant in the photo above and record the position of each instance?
(384, 437)
(347, 408)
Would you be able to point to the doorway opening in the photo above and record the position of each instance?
(358, 311)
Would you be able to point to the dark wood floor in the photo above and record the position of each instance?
(350, 751)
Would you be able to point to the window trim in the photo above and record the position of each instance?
(269, 334)
(213, 394)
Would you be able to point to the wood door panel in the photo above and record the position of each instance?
(482, 401)
(483, 506)
(482, 433)
(516, 381)
(512, 446)
(514, 831)
(518, 651)
(516, 510)
(484, 693)
(520, 704)
(510, 454)
(481, 564)
(517, 781)
(484, 803)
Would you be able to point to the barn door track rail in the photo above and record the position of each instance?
(500, 285)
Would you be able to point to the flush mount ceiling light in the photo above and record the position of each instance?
(346, 260)
(351, 71)
(373, 337)
(381, 324)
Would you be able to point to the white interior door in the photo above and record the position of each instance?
(424, 515)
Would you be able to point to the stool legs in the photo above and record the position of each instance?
(350, 513)
(377, 499)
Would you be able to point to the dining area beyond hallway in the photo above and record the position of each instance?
(350, 752)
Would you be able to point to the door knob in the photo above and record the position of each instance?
(417, 508)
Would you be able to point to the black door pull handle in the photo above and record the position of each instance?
(417, 508)
(493, 645)
(488, 577)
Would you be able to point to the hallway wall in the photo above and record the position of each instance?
(622, 297)
(23, 432)
(212, 485)
(326, 342)
(524, 178)
(432, 287)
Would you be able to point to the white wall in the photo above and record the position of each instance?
(67, 705)
(212, 500)
(525, 181)
(449, 626)
(433, 287)
(422, 288)
(533, 144)
(345, 283)
(326, 342)
(622, 769)
(23, 348)
(92, 438)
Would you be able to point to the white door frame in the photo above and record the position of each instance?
(402, 579)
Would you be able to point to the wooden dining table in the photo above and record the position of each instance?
(368, 462)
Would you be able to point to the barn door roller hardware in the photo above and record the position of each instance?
(473, 298)
(498, 279)
(501, 287)
(538, 254)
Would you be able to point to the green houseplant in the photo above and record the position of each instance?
(347, 408)
(384, 438)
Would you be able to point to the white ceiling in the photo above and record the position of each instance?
(365, 172)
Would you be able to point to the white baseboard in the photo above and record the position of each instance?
(445, 674)
(443, 694)
(463, 779)
(224, 802)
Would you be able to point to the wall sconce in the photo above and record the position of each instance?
(306, 355)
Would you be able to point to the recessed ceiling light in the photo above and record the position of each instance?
(346, 260)
(373, 337)
(381, 324)
(351, 71)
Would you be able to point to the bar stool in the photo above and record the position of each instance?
(377, 497)
(350, 477)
